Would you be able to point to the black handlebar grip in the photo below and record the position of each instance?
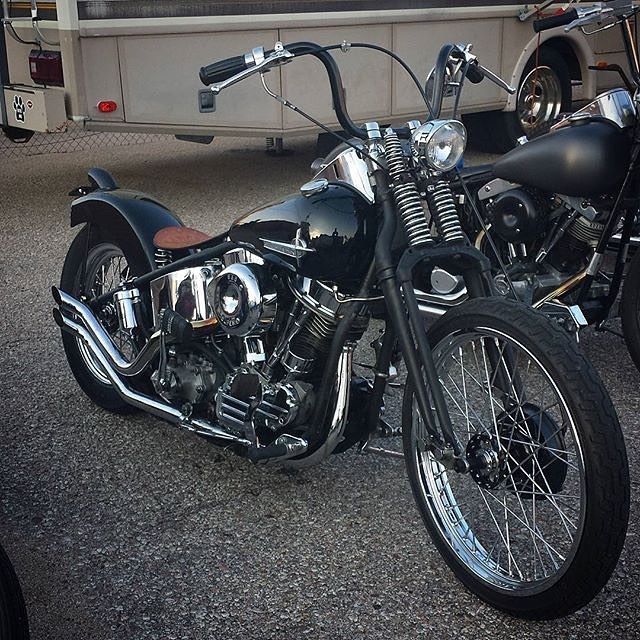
(555, 21)
(475, 74)
(222, 70)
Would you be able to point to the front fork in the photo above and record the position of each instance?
(407, 327)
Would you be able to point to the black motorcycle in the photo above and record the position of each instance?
(512, 445)
(14, 624)
(557, 216)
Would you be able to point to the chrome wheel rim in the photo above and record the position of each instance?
(516, 538)
(539, 98)
(105, 272)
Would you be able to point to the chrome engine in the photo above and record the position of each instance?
(544, 240)
(257, 349)
(186, 377)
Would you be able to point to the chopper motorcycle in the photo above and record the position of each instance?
(557, 215)
(511, 443)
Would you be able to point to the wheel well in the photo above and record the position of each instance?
(563, 47)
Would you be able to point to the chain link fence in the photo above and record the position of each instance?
(76, 138)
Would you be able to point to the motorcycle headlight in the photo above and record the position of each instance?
(440, 143)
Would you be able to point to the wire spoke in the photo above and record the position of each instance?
(506, 409)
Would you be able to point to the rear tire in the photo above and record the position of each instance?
(101, 248)
(499, 131)
(588, 455)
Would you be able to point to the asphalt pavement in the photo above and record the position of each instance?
(127, 528)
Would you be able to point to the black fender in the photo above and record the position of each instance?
(131, 217)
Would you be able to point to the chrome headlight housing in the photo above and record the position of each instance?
(439, 144)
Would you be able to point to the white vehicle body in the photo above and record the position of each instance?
(145, 57)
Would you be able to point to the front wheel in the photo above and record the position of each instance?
(537, 525)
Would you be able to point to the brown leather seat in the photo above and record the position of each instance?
(175, 238)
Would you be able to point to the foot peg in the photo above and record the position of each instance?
(283, 448)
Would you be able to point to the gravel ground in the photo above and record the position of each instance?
(128, 528)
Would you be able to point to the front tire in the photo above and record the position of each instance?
(538, 524)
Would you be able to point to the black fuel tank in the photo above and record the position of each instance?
(329, 235)
(584, 159)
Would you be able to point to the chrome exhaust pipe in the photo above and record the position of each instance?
(140, 400)
(102, 339)
(339, 415)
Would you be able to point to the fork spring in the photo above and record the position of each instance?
(445, 213)
(406, 195)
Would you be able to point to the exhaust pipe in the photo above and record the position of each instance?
(132, 397)
(103, 340)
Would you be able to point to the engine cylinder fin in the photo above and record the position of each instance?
(406, 194)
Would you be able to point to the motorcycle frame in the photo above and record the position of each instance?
(404, 322)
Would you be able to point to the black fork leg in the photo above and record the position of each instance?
(411, 333)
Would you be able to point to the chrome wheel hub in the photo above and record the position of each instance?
(539, 98)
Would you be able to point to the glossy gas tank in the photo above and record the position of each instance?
(329, 235)
(586, 159)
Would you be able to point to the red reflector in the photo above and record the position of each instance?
(46, 67)
(107, 106)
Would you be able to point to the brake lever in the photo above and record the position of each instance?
(497, 80)
(587, 17)
(280, 55)
(464, 54)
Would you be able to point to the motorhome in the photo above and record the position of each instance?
(132, 66)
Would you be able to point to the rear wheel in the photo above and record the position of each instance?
(107, 265)
(538, 523)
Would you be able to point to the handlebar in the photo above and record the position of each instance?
(475, 72)
(543, 24)
(223, 70)
(227, 72)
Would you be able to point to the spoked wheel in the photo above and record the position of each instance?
(537, 524)
(107, 265)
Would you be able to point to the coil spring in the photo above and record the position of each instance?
(406, 194)
(163, 257)
(444, 211)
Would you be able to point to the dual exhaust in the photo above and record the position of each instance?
(74, 317)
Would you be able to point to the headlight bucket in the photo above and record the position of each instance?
(439, 144)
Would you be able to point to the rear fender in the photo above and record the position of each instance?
(130, 217)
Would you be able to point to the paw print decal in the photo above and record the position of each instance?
(19, 108)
